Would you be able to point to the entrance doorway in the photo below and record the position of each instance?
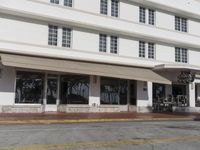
(52, 93)
(133, 93)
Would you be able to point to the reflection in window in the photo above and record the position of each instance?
(29, 87)
(74, 89)
(113, 91)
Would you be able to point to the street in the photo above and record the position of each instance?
(149, 135)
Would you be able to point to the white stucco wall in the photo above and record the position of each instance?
(165, 53)
(23, 30)
(88, 5)
(86, 40)
(7, 84)
(164, 20)
(193, 26)
(132, 9)
(128, 47)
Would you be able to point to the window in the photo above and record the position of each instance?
(143, 18)
(113, 91)
(142, 49)
(181, 55)
(53, 33)
(74, 89)
(142, 15)
(151, 17)
(66, 37)
(151, 49)
(29, 87)
(113, 44)
(114, 8)
(68, 3)
(180, 24)
(102, 43)
(54, 1)
(104, 7)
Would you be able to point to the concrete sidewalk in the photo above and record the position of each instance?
(50, 118)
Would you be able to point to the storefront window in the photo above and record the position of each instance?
(113, 91)
(74, 89)
(29, 87)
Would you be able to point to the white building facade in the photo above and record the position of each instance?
(99, 55)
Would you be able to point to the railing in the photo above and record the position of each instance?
(165, 104)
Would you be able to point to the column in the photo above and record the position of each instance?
(45, 90)
(58, 91)
(94, 91)
(150, 93)
(192, 94)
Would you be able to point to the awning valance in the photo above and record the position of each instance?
(87, 68)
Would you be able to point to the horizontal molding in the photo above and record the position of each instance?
(73, 54)
(72, 17)
(186, 9)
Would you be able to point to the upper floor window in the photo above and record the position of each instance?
(151, 17)
(181, 55)
(68, 3)
(53, 35)
(113, 44)
(142, 14)
(147, 18)
(146, 50)
(180, 24)
(104, 7)
(114, 8)
(66, 37)
(54, 1)
(151, 50)
(142, 49)
(102, 42)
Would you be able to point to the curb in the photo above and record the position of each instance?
(4, 122)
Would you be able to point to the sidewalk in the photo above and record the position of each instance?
(50, 118)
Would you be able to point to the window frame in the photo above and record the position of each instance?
(103, 43)
(114, 44)
(52, 35)
(115, 8)
(181, 55)
(68, 3)
(181, 24)
(55, 2)
(67, 36)
(103, 7)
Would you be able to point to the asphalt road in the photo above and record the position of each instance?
(102, 136)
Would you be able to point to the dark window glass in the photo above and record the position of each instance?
(68, 3)
(74, 89)
(180, 24)
(142, 49)
(113, 91)
(114, 8)
(151, 17)
(113, 44)
(104, 7)
(54, 1)
(29, 87)
(151, 50)
(66, 37)
(181, 55)
(142, 15)
(53, 35)
(102, 43)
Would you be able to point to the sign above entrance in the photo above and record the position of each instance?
(186, 77)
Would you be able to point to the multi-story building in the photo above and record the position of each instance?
(99, 55)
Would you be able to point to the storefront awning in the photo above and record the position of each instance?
(79, 67)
